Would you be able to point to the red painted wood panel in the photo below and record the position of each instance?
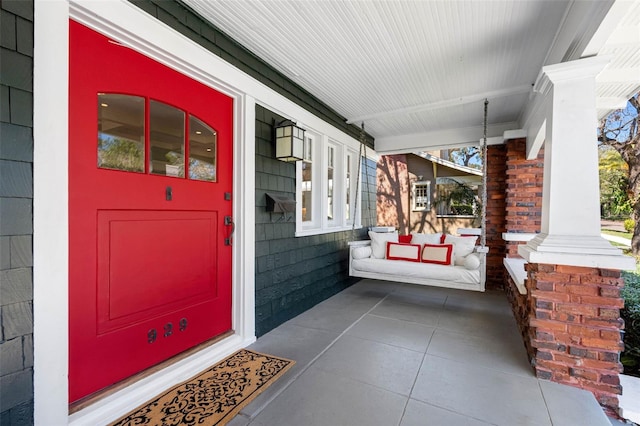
(137, 261)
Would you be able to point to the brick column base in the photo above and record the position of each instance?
(521, 312)
(575, 328)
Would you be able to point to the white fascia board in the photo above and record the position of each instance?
(440, 139)
(514, 134)
(534, 115)
(449, 164)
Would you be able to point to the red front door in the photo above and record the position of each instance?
(150, 182)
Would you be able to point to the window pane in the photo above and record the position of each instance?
(306, 181)
(166, 126)
(121, 132)
(421, 196)
(202, 151)
(330, 184)
(348, 187)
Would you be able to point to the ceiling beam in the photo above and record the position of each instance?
(611, 103)
(619, 75)
(444, 104)
(442, 139)
(608, 32)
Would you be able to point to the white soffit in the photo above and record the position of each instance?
(424, 67)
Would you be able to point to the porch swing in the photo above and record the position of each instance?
(429, 259)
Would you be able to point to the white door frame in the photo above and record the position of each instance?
(130, 26)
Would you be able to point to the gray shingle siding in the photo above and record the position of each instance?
(16, 213)
(292, 273)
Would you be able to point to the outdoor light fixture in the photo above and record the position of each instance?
(289, 141)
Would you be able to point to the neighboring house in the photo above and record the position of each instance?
(426, 193)
(103, 103)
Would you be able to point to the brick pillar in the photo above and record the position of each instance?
(495, 224)
(523, 215)
(575, 328)
(524, 192)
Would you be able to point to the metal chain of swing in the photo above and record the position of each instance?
(483, 224)
(361, 157)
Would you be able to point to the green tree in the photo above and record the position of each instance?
(621, 131)
(614, 180)
(120, 154)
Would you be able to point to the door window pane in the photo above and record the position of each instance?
(202, 150)
(121, 132)
(166, 139)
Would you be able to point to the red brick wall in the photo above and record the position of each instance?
(576, 328)
(495, 224)
(524, 192)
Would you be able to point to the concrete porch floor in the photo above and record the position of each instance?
(383, 353)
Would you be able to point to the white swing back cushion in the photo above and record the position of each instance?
(417, 238)
(397, 251)
(379, 242)
(462, 247)
(439, 254)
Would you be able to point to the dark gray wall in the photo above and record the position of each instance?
(16, 218)
(294, 274)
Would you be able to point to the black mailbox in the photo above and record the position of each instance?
(280, 203)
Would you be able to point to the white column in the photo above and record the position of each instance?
(570, 233)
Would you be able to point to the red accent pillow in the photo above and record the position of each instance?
(439, 254)
(398, 251)
(405, 239)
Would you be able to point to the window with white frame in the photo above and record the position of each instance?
(307, 180)
(347, 183)
(326, 181)
(421, 196)
(331, 161)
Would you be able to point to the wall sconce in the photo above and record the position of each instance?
(289, 141)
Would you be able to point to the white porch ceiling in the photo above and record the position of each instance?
(417, 72)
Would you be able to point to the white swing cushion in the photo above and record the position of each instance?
(472, 262)
(462, 247)
(425, 273)
(361, 252)
(379, 243)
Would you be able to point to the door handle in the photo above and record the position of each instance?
(228, 221)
